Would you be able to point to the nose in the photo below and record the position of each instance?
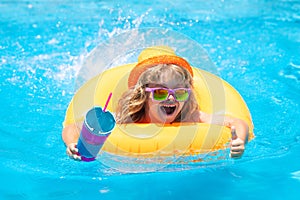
(171, 97)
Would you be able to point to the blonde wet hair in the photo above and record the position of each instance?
(131, 106)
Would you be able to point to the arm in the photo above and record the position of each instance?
(240, 127)
(70, 135)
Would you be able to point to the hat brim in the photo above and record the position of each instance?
(153, 61)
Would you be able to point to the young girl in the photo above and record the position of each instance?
(161, 91)
(163, 94)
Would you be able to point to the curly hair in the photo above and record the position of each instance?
(131, 106)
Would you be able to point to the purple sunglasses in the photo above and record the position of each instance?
(161, 94)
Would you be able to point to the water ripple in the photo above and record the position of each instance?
(291, 71)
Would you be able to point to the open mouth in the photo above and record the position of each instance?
(168, 109)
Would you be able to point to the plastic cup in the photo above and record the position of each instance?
(95, 130)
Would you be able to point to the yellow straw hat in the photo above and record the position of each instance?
(153, 56)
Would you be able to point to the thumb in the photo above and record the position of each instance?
(233, 133)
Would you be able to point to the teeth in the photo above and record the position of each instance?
(169, 106)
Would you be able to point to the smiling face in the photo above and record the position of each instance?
(163, 111)
(164, 76)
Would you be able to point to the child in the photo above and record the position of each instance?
(161, 91)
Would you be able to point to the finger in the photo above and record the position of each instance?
(237, 147)
(236, 152)
(235, 156)
(233, 133)
(74, 150)
(76, 157)
(68, 151)
(73, 147)
(237, 142)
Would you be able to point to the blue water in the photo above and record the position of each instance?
(254, 45)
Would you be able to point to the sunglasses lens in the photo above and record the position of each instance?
(160, 94)
(181, 94)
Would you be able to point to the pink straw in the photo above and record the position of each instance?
(107, 101)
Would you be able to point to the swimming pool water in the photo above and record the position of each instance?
(255, 46)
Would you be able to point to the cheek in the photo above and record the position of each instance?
(152, 112)
(151, 106)
(181, 104)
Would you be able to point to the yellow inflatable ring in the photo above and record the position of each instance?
(213, 94)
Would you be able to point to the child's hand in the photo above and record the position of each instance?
(72, 151)
(237, 145)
